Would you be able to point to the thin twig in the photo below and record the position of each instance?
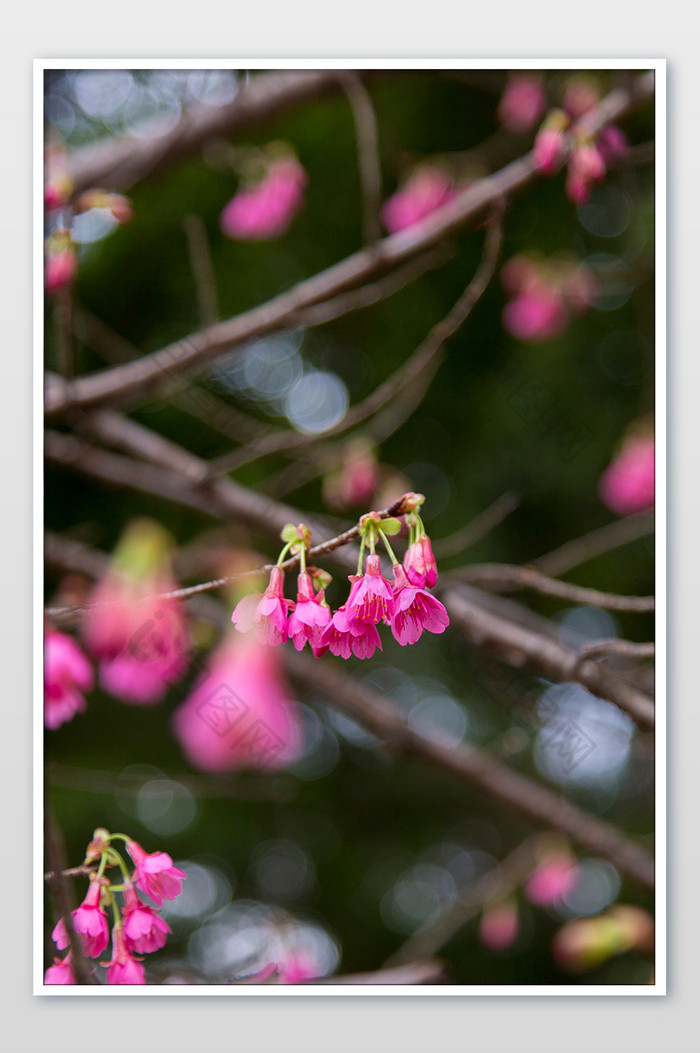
(605, 539)
(202, 269)
(367, 152)
(60, 893)
(621, 648)
(478, 528)
(504, 576)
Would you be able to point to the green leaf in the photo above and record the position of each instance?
(289, 533)
(390, 526)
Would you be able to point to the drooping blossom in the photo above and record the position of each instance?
(61, 267)
(346, 635)
(61, 972)
(419, 563)
(545, 292)
(550, 143)
(144, 929)
(265, 614)
(265, 210)
(240, 713)
(551, 880)
(89, 921)
(371, 596)
(586, 167)
(309, 617)
(67, 674)
(415, 611)
(136, 630)
(522, 103)
(499, 925)
(155, 873)
(123, 967)
(627, 484)
(426, 190)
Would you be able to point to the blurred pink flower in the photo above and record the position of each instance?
(551, 880)
(67, 674)
(550, 143)
(240, 714)
(627, 484)
(155, 873)
(266, 613)
(535, 314)
(89, 921)
(612, 144)
(427, 189)
(499, 926)
(61, 972)
(297, 967)
(355, 482)
(138, 633)
(581, 94)
(522, 103)
(60, 269)
(266, 210)
(123, 968)
(586, 167)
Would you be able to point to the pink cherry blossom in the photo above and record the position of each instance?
(89, 921)
(241, 713)
(419, 563)
(371, 596)
(499, 926)
(297, 967)
(61, 972)
(522, 104)
(137, 633)
(425, 191)
(265, 614)
(144, 930)
(346, 635)
(586, 167)
(266, 210)
(155, 873)
(123, 968)
(60, 270)
(627, 484)
(551, 880)
(415, 611)
(580, 95)
(309, 617)
(612, 144)
(67, 674)
(548, 150)
(536, 314)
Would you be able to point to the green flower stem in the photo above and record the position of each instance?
(394, 560)
(284, 552)
(362, 553)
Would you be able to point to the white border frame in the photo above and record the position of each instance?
(661, 555)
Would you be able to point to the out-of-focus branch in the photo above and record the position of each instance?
(202, 269)
(160, 367)
(367, 152)
(502, 576)
(384, 718)
(520, 646)
(605, 539)
(121, 161)
(479, 527)
(618, 648)
(60, 893)
(412, 973)
(410, 371)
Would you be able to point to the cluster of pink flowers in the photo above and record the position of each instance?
(550, 881)
(427, 189)
(135, 630)
(404, 603)
(627, 484)
(523, 102)
(137, 928)
(544, 295)
(265, 208)
(589, 156)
